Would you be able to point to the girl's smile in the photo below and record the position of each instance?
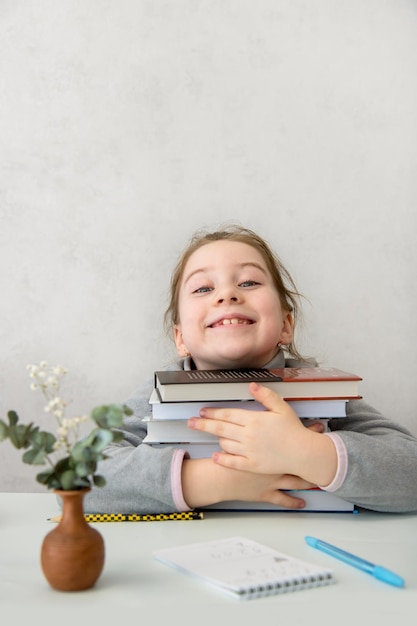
(231, 321)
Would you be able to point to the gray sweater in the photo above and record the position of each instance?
(381, 456)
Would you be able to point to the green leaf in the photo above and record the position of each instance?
(13, 418)
(4, 431)
(64, 465)
(34, 456)
(43, 477)
(68, 480)
(117, 436)
(82, 452)
(20, 435)
(109, 416)
(99, 415)
(43, 440)
(99, 481)
(97, 440)
(81, 482)
(101, 439)
(49, 478)
(84, 469)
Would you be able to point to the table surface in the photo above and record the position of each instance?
(134, 584)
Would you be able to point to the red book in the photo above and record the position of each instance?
(291, 383)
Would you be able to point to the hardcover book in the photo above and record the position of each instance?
(198, 449)
(316, 408)
(290, 383)
(316, 501)
(177, 431)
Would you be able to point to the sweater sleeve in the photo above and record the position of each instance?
(342, 463)
(380, 464)
(139, 478)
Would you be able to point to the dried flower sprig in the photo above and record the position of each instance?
(48, 380)
(72, 461)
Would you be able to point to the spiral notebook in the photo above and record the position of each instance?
(244, 568)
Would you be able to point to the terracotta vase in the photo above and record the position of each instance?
(72, 554)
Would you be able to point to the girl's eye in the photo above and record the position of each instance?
(207, 288)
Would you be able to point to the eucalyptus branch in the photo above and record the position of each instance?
(77, 460)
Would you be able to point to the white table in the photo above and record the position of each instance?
(135, 586)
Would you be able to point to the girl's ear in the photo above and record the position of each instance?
(287, 331)
(179, 342)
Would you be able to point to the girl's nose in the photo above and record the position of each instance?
(228, 294)
(230, 299)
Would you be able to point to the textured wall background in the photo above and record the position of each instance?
(127, 125)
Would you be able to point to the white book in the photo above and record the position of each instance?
(330, 408)
(244, 568)
(177, 431)
(317, 501)
(196, 449)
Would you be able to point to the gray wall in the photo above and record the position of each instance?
(127, 125)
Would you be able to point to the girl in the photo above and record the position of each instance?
(233, 304)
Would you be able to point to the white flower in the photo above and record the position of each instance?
(33, 370)
(59, 443)
(53, 404)
(58, 371)
(81, 419)
(70, 423)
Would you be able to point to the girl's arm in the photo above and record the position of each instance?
(205, 482)
(380, 456)
(382, 460)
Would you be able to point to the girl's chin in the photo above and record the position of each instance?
(228, 363)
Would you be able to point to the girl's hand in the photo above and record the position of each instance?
(269, 442)
(205, 482)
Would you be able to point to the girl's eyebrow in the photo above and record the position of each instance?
(240, 266)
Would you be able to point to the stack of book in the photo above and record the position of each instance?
(315, 394)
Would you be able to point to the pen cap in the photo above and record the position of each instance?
(388, 577)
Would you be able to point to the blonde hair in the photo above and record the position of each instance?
(282, 279)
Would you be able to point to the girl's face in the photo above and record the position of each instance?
(229, 310)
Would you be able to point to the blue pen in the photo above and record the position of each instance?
(370, 568)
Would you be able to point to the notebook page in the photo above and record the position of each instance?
(244, 567)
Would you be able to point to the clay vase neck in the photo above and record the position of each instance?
(72, 554)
